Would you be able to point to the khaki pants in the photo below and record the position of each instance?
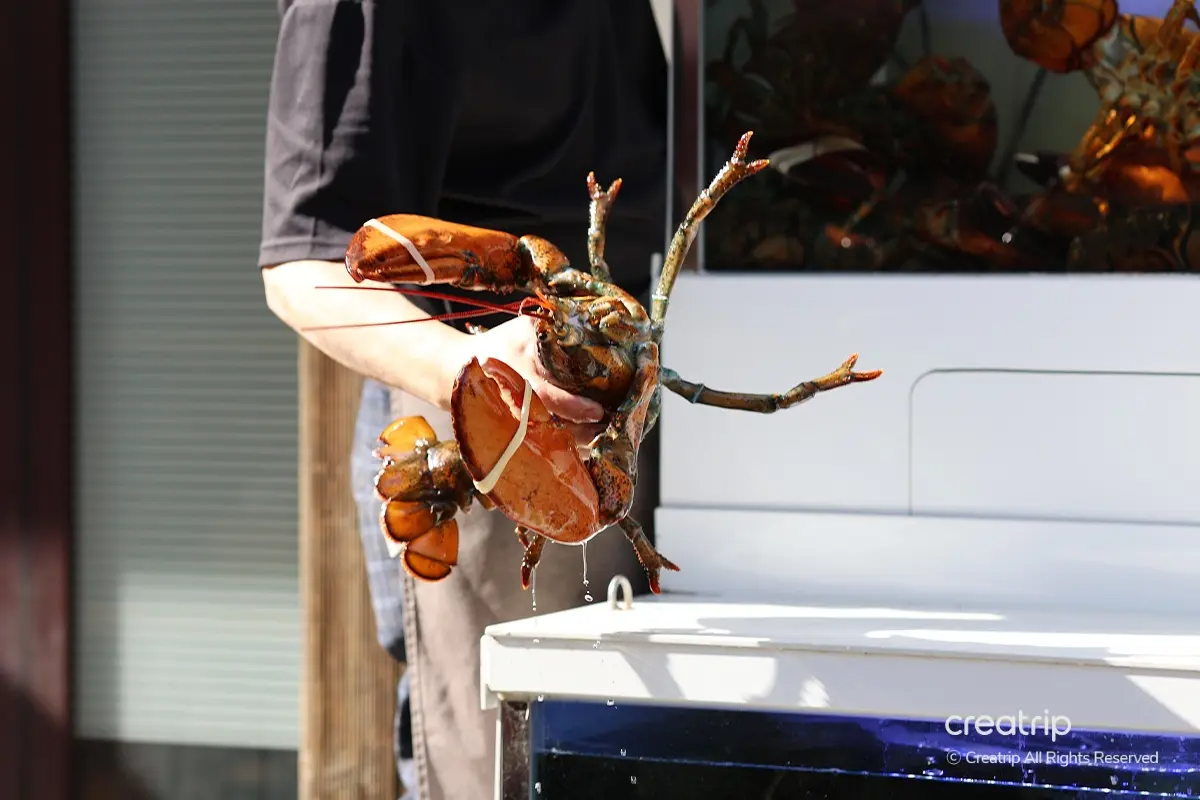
(453, 738)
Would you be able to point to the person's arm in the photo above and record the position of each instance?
(357, 127)
(421, 358)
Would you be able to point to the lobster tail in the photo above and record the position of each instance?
(423, 483)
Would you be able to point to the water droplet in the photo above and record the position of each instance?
(537, 787)
(535, 641)
(541, 697)
(596, 645)
(622, 751)
(612, 702)
(583, 547)
(633, 779)
(587, 597)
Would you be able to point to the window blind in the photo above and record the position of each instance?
(187, 591)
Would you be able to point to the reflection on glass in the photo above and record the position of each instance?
(620, 750)
(955, 135)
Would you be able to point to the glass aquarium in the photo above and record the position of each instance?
(966, 136)
(616, 751)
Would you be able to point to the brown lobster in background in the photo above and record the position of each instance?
(1144, 145)
(594, 339)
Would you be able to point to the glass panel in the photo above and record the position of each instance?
(624, 750)
(953, 135)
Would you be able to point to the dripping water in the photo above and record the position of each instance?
(587, 596)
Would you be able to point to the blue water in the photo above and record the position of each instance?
(634, 747)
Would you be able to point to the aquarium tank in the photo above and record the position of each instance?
(961, 136)
(620, 751)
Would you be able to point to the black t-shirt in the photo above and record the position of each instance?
(485, 112)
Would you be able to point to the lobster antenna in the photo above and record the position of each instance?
(475, 312)
(450, 298)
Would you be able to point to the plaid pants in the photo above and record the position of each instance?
(384, 575)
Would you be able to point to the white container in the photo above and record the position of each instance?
(1056, 420)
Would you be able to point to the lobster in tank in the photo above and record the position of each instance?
(1142, 151)
(594, 340)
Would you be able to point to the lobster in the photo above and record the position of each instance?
(1057, 35)
(1143, 147)
(1146, 134)
(798, 68)
(593, 338)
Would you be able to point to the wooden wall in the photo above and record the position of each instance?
(349, 681)
(35, 402)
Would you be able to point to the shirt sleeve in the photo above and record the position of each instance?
(343, 144)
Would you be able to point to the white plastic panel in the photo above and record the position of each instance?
(901, 561)
(850, 450)
(1110, 672)
(1085, 446)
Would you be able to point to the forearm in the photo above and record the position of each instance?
(420, 359)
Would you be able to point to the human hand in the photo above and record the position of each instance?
(515, 343)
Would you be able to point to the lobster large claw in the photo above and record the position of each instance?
(1056, 36)
(543, 485)
(406, 248)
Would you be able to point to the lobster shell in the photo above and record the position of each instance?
(545, 486)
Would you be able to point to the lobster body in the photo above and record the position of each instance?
(594, 339)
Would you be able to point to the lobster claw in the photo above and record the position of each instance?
(406, 248)
(541, 483)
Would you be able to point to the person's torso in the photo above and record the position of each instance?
(553, 90)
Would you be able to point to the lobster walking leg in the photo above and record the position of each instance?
(766, 403)
(601, 203)
(614, 453)
(652, 560)
(736, 170)
(533, 544)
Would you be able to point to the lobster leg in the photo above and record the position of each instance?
(613, 463)
(601, 203)
(653, 411)
(736, 170)
(533, 544)
(765, 403)
(652, 560)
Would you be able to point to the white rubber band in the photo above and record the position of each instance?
(489, 481)
(409, 246)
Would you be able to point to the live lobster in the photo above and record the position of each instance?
(594, 339)
(1125, 195)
